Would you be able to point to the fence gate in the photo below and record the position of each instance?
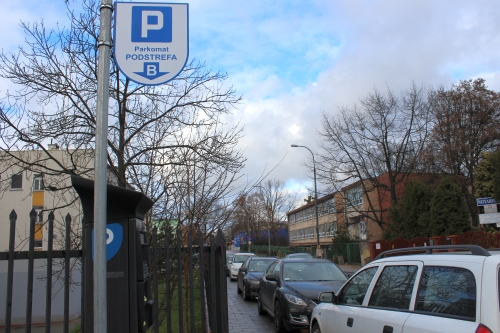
(189, 282)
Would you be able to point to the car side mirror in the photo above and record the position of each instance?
(326, 297)
(244, 269)
(271, 277)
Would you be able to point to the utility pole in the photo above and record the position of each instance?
(315, 192)
(100, 170)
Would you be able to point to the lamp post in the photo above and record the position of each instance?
(315, 193)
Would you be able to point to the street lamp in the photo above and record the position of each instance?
(315, 193)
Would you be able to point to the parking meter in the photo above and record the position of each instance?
(129, 303)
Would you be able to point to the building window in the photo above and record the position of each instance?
(362, 229)
(38, 229)
(330, 206)
(308, 214)
(16, 181)
(38, 182)
(354, 197)
(331, 229)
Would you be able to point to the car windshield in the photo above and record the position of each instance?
(240, 258)
(312, 271)
(259, 265)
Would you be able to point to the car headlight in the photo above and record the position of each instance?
(295, 300)
(233, 269)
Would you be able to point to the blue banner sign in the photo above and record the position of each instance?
(486, 201)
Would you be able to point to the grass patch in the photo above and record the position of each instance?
(174, 310)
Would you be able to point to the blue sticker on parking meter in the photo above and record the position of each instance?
(114, 239)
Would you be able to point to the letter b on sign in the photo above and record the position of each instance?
(151, 24)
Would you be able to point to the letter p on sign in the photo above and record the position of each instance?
(151, 20)
(151, 24)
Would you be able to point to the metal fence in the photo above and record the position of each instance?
(188, 278)
(31, 255)
(194, 273)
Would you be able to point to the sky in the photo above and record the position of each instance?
(292, 61)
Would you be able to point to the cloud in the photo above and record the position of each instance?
(292, 60)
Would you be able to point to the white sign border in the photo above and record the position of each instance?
(114, 39)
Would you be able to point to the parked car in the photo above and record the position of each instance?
(249, 274)
(289, 290)
(229, 261)
(409, 293)
(238, 260)
(299, 256)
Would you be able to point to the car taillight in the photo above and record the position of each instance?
(483, 329)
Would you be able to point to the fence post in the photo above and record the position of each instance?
(29, 288)
(201, 245)
(48, 289)
(67, 247)
(10, 271)
(179, 280)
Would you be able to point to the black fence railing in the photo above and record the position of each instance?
(189, 284)
(192, 278)
(30, 256)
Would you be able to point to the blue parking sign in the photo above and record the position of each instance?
(151, 24)
(151, 40)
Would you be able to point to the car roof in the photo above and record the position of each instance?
(434, 257)
(454, 253)
(245, 253)
(306, 260)
(298, 254)
(259, 257)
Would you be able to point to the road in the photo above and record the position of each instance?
(243, 316)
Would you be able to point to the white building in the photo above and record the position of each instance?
(40, 180)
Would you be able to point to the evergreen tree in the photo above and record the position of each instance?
(495, 169)
(448, 212)
(484, 179)
(410, 218)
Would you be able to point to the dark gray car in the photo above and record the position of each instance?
(289, 290)
(249, 274)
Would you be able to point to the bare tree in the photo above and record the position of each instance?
(263, 209)
(466, 123)
(55, 73)
(277, 202)
(384, 134)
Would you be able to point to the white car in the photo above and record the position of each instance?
(445, 292)
(238, 260)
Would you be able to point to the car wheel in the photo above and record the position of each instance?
(316, 328)
(260, 310)
(245, 294)
(238, 287)
(278, 319)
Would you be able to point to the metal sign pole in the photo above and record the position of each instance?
(100, 170)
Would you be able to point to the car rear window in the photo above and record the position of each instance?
(312, 271)
(240, 258)
(259, 265)
(447, 291)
